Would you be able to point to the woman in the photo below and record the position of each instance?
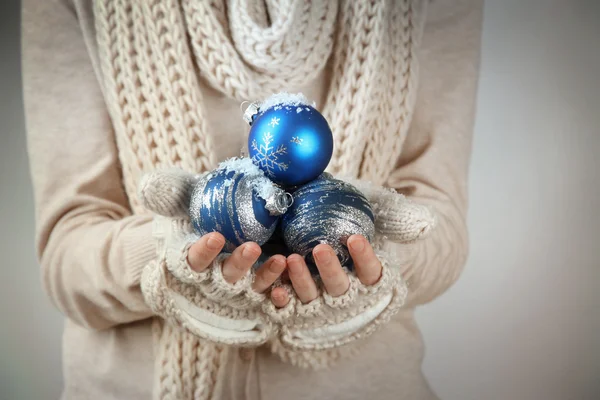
(117, 89)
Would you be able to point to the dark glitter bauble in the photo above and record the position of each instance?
(327, 211)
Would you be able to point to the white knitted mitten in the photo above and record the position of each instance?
(316, 334)
(202, 302)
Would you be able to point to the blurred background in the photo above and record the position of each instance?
(523, 322)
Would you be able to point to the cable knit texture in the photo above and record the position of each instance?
(152, 86)
(153, 91)
(116, 89)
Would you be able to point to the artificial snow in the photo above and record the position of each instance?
(298, 110)
(264, 187)
(284, 98)
(243, 165)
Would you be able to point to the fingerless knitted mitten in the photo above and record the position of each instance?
(308, 335)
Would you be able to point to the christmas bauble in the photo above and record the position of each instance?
(289, 139)
(329, 211)
(239, 202)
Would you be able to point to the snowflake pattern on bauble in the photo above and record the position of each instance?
(267, 156)
(274, 122)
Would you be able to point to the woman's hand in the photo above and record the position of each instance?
(367, 266)
(221, 298)
(202, 253)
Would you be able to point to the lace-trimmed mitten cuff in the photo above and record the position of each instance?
(319, 333)
(212, 308)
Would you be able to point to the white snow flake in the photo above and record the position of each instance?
(297, 140)
(274, 122)
(267, 156)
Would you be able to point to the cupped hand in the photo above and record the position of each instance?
(366, 264)
(202, 253)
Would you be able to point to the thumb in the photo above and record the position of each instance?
(396, 217)
(401, 220)
(167, 192)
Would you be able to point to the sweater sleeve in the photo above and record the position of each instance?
(433, 167)
(91, 248)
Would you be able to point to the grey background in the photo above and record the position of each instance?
(523, 321)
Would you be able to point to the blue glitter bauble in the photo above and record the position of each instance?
(228, 202)
(291, 144)
(328, 211)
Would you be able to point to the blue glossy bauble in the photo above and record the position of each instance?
(230, 202)
(291, 144)
(329, 211)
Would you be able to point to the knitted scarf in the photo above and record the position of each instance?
(154, 52)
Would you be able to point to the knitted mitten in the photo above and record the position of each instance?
(202, 302)
(316, 334)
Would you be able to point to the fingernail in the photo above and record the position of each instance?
(294, 266)
(322, 256)
(249, 252)
(214, 242)
(275, 265)
(357, 244)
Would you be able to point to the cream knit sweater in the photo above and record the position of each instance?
(118, 88)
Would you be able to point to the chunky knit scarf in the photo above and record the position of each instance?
(154, 52)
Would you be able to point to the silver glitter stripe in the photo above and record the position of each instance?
(197, 199)
(251, 228)
(231, 202)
